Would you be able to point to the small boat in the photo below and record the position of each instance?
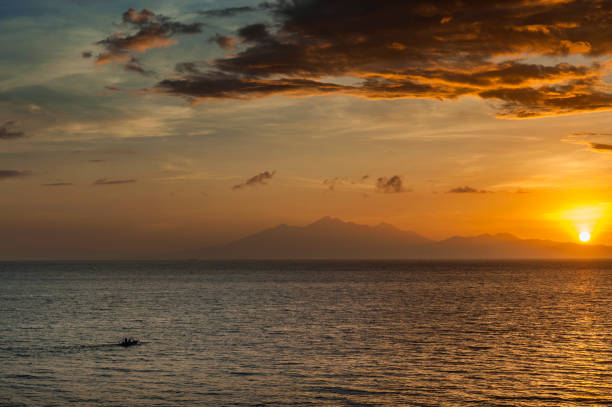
(128, 342)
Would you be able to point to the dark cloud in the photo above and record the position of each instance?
(259, 179)
(105, 181)
(87, 54)
(227, 12)
(58, 184)
(219, 85)
(146, 30)
(390, 185)
(6, 174)
(141, 18)
(418, 49)
(601, 147)
(467, 190)
(8, 131)
(255, 33)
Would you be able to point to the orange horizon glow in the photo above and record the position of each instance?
(585, 221)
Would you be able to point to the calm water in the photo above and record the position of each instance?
(308, 333)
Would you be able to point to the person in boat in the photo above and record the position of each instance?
(128, 341)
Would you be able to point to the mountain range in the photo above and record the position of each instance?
(332, 238)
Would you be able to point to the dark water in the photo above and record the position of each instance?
(309, 333)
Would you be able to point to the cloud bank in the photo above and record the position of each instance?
(404, 49)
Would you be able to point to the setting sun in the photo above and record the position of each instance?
(585, 220)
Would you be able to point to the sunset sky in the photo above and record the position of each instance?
(137, 128)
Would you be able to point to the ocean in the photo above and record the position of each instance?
(312, 333)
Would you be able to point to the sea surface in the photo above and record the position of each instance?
(306, 333)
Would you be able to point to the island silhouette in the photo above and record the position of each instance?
(332, 238)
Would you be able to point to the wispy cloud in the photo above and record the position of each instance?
(58, 184)
(346, 183)
(259, 179)
(331, 183)
(7, 174)
(105, 181)
(467, 190)
(596, 142)
(227, 12)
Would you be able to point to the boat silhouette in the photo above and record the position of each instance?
(128, 342)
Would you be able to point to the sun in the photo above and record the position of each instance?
(584, 236)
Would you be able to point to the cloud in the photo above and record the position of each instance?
(259, 179)
(8, 131)
(467, 190)
(58, 184)
(6, 174)
(223, 41)
(218, 85)
(227, 12)
(600, 145)
(390, 185)
(418, 49)
(133, 65)
(146, 30)
(105, 181)
(331, 183)
(87, 54)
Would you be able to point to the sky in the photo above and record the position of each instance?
(135, 129)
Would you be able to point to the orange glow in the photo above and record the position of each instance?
(584, 220)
